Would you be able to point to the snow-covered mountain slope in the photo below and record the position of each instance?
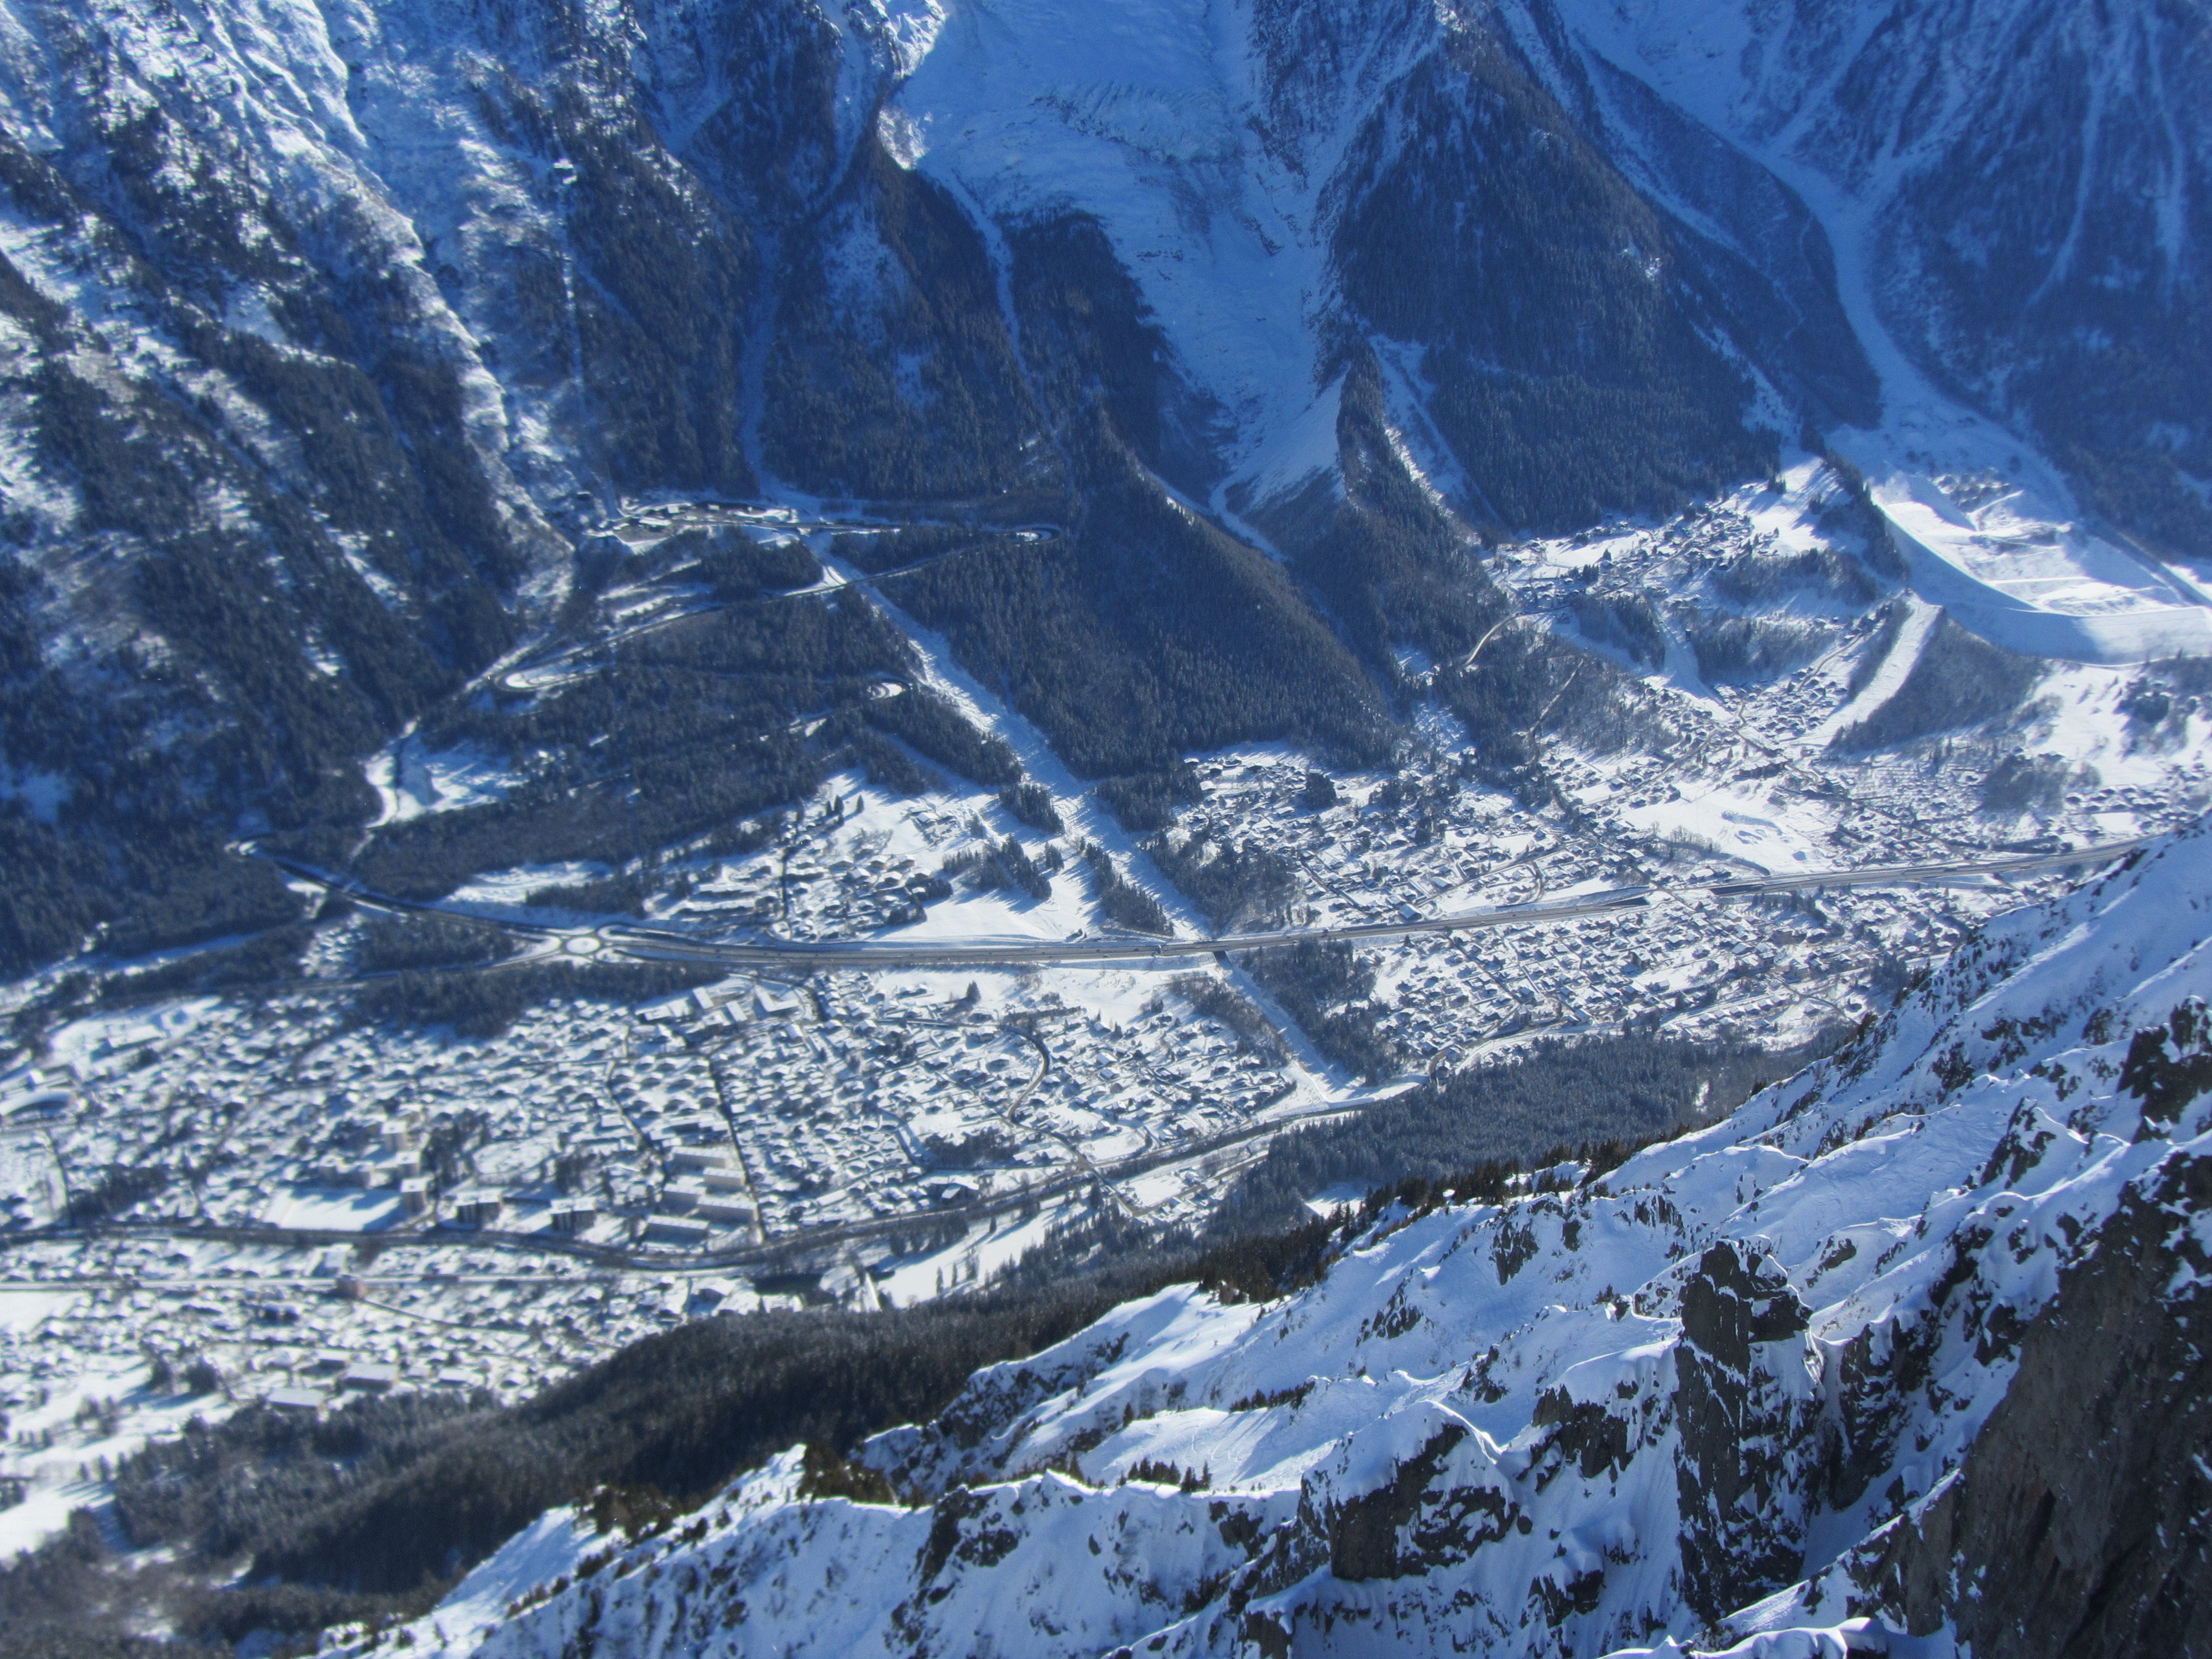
(1284, 179)
(2012, 194)
(331, 333)
(328, 333)
(1904, 1330)
(2015, 195)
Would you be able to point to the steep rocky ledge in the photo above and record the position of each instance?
(2081, 1521)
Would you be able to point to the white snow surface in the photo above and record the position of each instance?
(1161, 118)
(1450, 1356)
(2048, 590)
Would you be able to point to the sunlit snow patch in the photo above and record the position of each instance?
(412, 781)
(2046, 588)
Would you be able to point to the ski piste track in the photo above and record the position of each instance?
(620, 942)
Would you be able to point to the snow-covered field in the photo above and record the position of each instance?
(2049, 589)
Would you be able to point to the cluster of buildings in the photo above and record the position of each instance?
(314, 1206)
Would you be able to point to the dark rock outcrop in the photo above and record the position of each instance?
(2081, 1524)
(1744, 1406)
(1422, 1520)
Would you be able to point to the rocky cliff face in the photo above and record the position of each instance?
(1905, 1347)
(2078, 1523)
(1743, 1402)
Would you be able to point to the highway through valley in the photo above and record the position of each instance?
(780, 958)
(625, 942)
